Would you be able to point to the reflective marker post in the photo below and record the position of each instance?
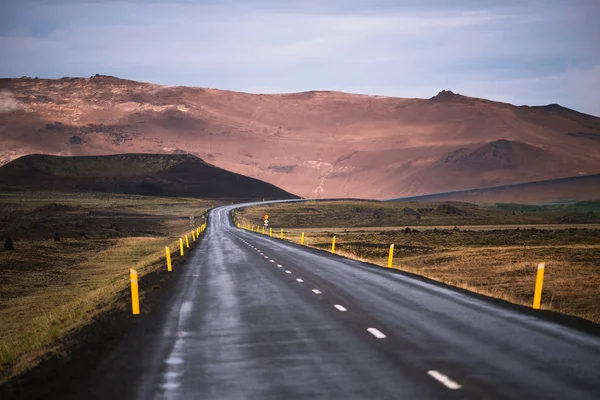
(135, 300)
(539, 282)
(168, 251)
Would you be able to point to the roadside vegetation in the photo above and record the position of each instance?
(71, 260)
(489, 250)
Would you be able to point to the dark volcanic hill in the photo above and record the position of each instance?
(142, 174)
(578, 188)
(315, 144)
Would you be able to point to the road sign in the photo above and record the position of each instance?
(266, 221)
(266, 217)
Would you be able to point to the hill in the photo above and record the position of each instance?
(181, 175)
(580, 188)
(316, 144)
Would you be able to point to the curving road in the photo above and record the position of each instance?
(258, 318)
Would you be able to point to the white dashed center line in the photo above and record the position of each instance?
(288, 272)
(444, 380)
(340, 308)
(271, 260)
(279, 265)
(299, 280)
(377, 333)
(266, 257)
(315, 291)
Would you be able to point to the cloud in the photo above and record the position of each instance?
(8, 103)
(515, 50)
(582, 85)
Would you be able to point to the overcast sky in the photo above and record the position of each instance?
(519, 51)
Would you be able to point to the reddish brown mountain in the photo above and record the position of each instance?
(314, 144)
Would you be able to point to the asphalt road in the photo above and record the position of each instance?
(254, 317)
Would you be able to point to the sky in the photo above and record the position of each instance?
(531, 52)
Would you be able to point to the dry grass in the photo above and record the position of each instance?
(498, 261)
(50, 289)
(360, 213)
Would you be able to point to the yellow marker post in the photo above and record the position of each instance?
(271, 232)
(187, 242)
(281, 235)
(197, 231)
(302, 238)
(168, 251)
(193, 236)
(539, 282)
(391, 256)
(333, 246)
(135, 299)
(263, 230)
(181, 246)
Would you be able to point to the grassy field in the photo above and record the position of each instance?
(50, 288)
(349, 213)
(493, 255)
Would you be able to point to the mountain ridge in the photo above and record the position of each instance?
(315, 143)
(181, 175)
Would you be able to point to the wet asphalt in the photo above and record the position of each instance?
(253, 317)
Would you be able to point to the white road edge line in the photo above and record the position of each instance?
(377, 333)
(340, 308)
(299, 280)
(315, 291)
(444, 380)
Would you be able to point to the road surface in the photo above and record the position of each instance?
(255, 317)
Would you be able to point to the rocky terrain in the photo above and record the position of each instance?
(314, 144)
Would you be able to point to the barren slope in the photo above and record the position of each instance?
(314, 144)
(141, 174)
(581, 188)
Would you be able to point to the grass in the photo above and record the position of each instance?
(495, 260)
(49, 289)
(355, 213)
